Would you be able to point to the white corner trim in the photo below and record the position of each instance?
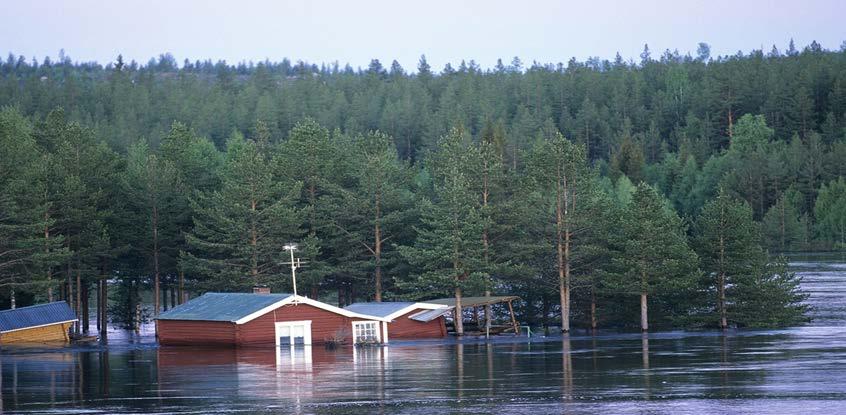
(415, 306)
(298, 299)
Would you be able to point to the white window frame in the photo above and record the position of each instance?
(291, 324)
(377, 329)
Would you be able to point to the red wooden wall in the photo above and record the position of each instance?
(261, 331)
(325, 325)
(183, 332)
(405, 328)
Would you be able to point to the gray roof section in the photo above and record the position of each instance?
(36, 315)
(222, 306)
(429, 315)
(378, 309)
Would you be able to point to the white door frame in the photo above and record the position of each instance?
(291, 324)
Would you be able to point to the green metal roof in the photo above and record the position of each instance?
(222, 306)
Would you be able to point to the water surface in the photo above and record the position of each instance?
(798, 370)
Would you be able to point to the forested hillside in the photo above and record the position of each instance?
(615, 193)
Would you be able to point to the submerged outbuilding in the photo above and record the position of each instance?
(40, 323)
(408, 320)
(248, 319)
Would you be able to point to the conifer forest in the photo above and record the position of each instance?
(647, 194)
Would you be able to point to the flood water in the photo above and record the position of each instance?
(798, 370)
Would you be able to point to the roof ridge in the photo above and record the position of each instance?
(32, 306)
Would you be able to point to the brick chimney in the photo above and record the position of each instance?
(261, 289)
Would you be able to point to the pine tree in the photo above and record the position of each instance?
(728, 243)
(830, 212)
(655, 259)
(377, 205)
(784, 227)
(24, 253)
(448, 249)
(153, 188)
(557, 168)
(77, 189)
(310, 156)
(198, 167)
(239, 230)
(771, 298)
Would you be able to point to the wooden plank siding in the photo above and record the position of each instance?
(325, 325)
(404, 328)
(185, 332)
(52, 333)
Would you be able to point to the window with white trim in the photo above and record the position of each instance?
(366, 332)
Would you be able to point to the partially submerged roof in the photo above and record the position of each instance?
(222, 306)
(391, 309)
(36, 316)
(429, 315)
(240, 308)
(378, 309)
(475, 301)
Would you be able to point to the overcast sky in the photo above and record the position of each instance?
(356, 31)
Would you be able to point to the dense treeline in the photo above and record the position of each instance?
(663, 201)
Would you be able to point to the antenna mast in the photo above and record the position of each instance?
(295, 263)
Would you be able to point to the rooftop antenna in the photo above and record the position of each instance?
(295, 263)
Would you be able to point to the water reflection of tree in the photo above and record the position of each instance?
(567, 368)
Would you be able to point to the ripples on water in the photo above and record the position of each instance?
(799, 370)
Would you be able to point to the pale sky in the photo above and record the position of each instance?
(356, 31)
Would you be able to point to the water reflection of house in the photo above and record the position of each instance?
(408, 321)
(37, 323)
(244, 319)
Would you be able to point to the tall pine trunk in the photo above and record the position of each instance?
(721, 303)
(47, 252)
(563, 250)
(85, 309)
(181, 287)
(253, 243)
(377, 248)
(486, 248)
(459, 313)
(644, 321)
(156, 288)
(593, 308)
(78, 294)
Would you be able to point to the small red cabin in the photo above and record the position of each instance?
(244, 319)
(408, 321)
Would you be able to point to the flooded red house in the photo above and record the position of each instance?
(408, 320)
(246, 319)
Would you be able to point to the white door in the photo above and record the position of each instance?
(291, 333)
